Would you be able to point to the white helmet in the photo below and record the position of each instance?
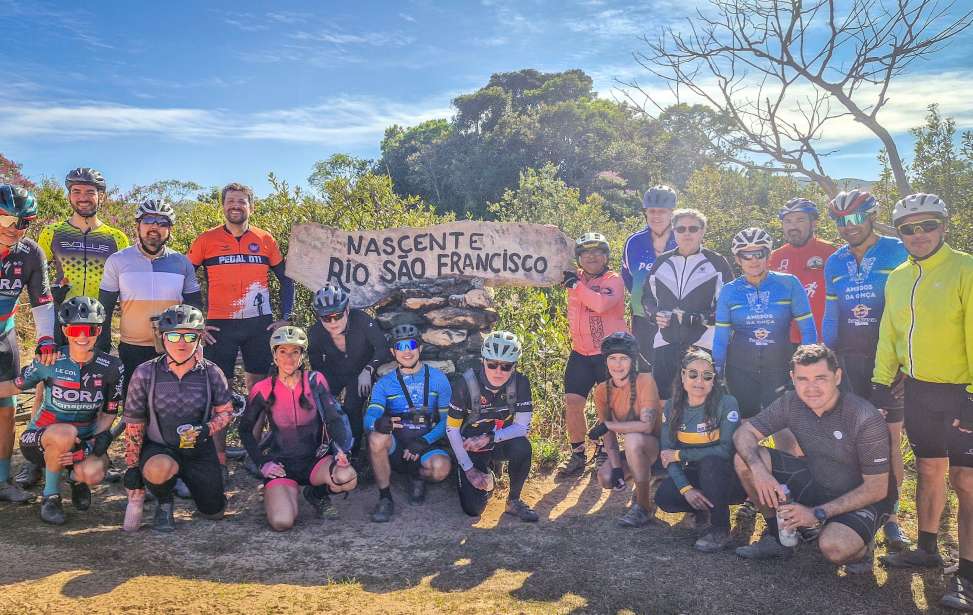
(919, 203)
(752, 238)
(158, 207)
(288, 335)
(501, 346)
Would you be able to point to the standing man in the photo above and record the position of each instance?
(638, 256)
(22, 265)
(926, 333)
(236, 258)
(854, 278)
(803, 255)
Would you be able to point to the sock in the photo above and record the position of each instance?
(52, 482)
(4, 470)
(771, 522)
(643, 495)
(577, 448)
(162, 492)
(929, 541)
(385, 493)
(965, 569)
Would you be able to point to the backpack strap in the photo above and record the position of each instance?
(405, 389)
(473, 386)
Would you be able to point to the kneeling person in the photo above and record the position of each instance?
(72, 427)
(841, 484)
(488, 421)
(405, 421)
(309, 434)
(175, 403)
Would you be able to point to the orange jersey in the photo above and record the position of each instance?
(237, 271)
(807, 263)
(620, 407)
(596, 309)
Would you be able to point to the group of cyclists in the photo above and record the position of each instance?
(783, 389)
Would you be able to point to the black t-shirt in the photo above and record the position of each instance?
(365, 344)
(496, 411)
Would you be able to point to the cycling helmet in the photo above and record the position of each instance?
(659, 197)
(919, 203)
(404, 332)
(156, 206)
(501, 346)
(591, 241)
(855, 201)
(181, 317)
(799, 205)
(17, 201)
(330, 300)
(288, 334)
(85, 175)
(750, 239)
(620, 342)
(81, 311)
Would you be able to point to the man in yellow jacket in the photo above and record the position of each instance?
(926, 335)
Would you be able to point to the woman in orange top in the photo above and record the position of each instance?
(628, 405)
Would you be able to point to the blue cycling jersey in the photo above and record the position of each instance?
(753, 323)
(387, 395)
(638, 256)
(856, 295)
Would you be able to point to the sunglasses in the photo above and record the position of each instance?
(754, 255)
(925, 226)
(332, 317)
(15, 222)
(403, 345)
(156, 220)
(694, 374)
(506, 367)
(852, 219)
(79, 330)
(175, 336)
(687, 229)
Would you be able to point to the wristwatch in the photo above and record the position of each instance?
(820, 515)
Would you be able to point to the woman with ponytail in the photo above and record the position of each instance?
(309, 434)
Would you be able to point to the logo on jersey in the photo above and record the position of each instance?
(860, 312)
(810, 289)
(758, 301)
(760, 336)
(815, 262)
(783, 265)
(859, 273)
(254, 247)
(838, 435)
(97, 382)
(733, 416)
(8, 284)
(18, 270)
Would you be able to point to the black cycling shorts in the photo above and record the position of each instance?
(583, 372)
(754, 391)
(300, 470)
(31, 447)
(795, 473)
(199, 468)
(399, 464)
(856, 377)
(246, 335)
(930, 408)
(9, 363)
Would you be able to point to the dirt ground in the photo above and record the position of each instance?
(429, 559)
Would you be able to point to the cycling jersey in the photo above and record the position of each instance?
(237, 273)
(807, 263)
(927, 326)
(697, 435)
(690, 284)
(752, 323)
(365, 344)
(856, 295)
(596, 309)
(146, 287)
(388, 396)
(73, 393)
(638, 256)
(614, 403)
(79, 256)
(23, 266)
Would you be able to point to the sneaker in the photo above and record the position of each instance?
(383, 511)
(766, 548)
(959, 596)
(235, 452)
(636, 516)
(600, 456)
(80, 495)
(323, 507)
(12, 492)
(865, 564)
(29, 475)
(182, 490)
(417, 490)
(912, 558)
(521, 510)
(809, 534)
(894, 538)
(745, 521)
(51, 510)
(573, 466)
(164, 520)
(714, 540)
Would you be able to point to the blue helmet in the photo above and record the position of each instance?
(17, 201)
(799, 204)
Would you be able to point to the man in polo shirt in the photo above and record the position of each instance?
(842, 483)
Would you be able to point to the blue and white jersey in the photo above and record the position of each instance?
(638, 256)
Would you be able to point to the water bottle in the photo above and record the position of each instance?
(788, 538)
(133, 512)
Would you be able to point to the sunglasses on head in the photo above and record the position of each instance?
(506, 367)
(925, 226)
(687, 229)
(402, 345)
(852, 219)
(15, 222)
(694, 374)
(332, 317)
(175, 336)
(79, 330)
(754, 254)
(156, 220)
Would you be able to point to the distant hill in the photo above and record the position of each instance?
(845, 183)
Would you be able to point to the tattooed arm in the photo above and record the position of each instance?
(134, 437)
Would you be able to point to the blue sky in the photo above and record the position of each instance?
(221, 91)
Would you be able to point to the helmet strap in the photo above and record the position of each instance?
(931, 254)
(192, 356)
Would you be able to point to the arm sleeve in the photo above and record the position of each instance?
(729, 421)
(113, 388)
(45, 239)
(650, 303)
(314, 353)
(108, 299)
(41, 301)
(721, 335)
(376, 406)
(968, 320)
(886, 359)
(286, 291)
(380, 345)
(333, 419)
(600, 302)
(523, 413)
(44, 319)
(773, 418)
(255, 407)
(829, 324)
(626, 266)
(30, 376)
(801, 312)
(195, 254)
(674, 469)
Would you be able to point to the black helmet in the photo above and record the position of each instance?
(659, 197)
(621, 342)
(181, 317)
(330, 300)
(404, 332)
(84, 175)
(81, 311)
